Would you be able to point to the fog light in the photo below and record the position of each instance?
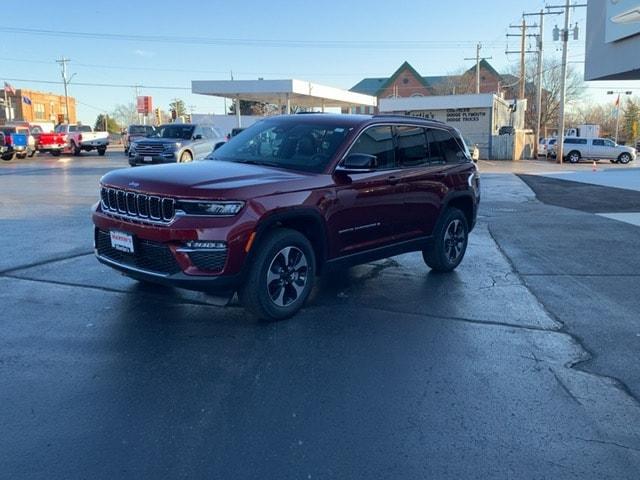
(206, 245)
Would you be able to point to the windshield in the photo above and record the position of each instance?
(182, 132)
(304, 146)
(84, 128)
(140, 130)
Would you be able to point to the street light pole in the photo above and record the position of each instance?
(618, 105)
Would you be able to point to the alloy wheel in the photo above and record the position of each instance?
(287, 276)
(454, 239)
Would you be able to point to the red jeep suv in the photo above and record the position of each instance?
(287, 199)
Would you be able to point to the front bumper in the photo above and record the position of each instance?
(162, 254)
(139, 159)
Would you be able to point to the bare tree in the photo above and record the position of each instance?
(551, 86)
(125, 114)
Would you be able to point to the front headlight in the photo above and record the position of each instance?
(171, 147)
(213, 209)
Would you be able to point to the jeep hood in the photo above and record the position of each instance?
(210, 179)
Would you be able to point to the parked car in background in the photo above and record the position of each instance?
(136, 132)
(16, 141)
(576, 149)
(542, 147)
(289, 198)
(176, 142)
(550, 149)
(83, 138)
(52, 142)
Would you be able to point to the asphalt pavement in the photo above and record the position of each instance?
(521, 364)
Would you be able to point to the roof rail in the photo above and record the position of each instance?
(400, 115)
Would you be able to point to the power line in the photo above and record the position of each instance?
(250, 42)
(89, 84)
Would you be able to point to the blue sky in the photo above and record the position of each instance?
(446, 32)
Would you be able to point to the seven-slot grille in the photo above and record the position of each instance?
(149, 148)
(138, 205)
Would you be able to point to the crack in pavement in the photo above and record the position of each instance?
(604, 442)
(564, 387)
(45, 262)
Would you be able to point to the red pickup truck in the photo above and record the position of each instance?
(53, 142)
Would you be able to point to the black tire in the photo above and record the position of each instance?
(624, 158)
(573, 156)
(186, 157)
(291, 281)
(55, 153)
(102, 151)
(7, 157)
(32, 153)
(449, 243)
(21, 156)
(76, 150)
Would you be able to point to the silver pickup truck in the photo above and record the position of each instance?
(579, 148)
(83, 138)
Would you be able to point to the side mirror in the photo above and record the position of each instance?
(197, 137)
(358, 163)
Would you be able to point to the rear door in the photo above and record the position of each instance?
(420, 181)
(597, 148)
(610, 149)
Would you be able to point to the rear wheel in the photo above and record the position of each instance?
(102, 151)
(449, 242)
(76, 149)
(624, 158)
(281, 276)
(186, 157)
(7, 157)
(573, 156)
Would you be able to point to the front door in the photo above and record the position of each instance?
(367, 205)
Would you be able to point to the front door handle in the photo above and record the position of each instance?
(392, 180)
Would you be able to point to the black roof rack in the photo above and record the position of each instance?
(400, 115)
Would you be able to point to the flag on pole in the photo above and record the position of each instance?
(26, 100)
(8, 88)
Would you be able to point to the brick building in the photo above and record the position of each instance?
(407, 82)
(33, 106)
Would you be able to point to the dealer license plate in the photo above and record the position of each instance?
(147, 159)
(122, 241)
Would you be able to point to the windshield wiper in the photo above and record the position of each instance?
(258, 162)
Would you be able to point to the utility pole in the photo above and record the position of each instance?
(540, 40)
(477, 59)
(63, 63)
(522, 52)
(563, 75)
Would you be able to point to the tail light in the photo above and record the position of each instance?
(80, 137)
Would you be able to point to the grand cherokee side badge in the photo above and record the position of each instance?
(134, 184)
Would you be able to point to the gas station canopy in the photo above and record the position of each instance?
(283, 92)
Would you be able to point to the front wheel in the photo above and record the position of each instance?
(449, 242)
(186, 157)
(624, 158)
(21, 156)
(102, 151)
(7, 157)
(281, 276)
(55, 153)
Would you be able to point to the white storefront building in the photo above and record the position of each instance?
(478, 117)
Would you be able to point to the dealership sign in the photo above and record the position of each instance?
(452, 115)
(145, 105)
